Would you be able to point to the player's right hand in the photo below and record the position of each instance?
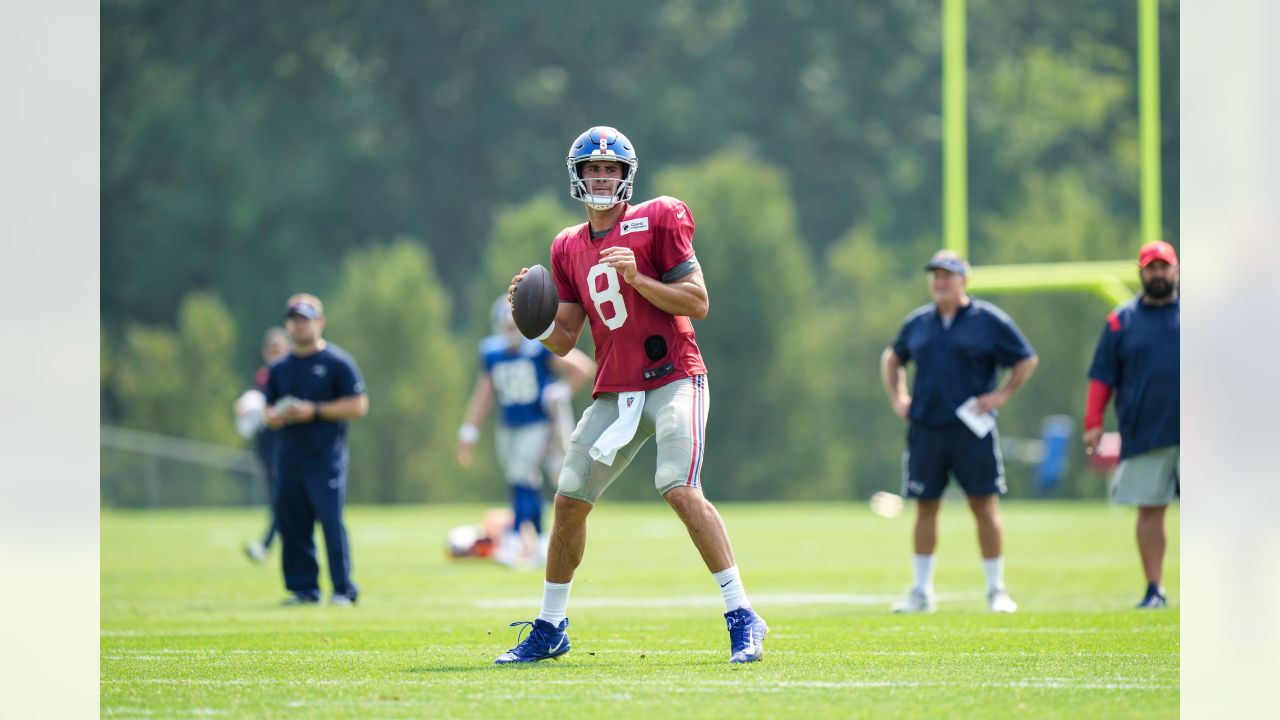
(464, 454)
(1091, 438)
(511, 290)
(902, 407)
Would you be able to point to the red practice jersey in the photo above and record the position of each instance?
(624, 325)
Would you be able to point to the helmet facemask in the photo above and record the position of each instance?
(601, 193)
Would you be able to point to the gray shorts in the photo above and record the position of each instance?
(524, 453)
(1149, 479)
(675, 413)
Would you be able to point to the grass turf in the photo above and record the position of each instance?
(190, 628)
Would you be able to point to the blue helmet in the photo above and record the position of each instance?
(601, 143)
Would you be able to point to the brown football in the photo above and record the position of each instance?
(535, 302)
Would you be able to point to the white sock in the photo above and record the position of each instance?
(735, 596)
(555, 598)
(922, 567)
(994, 570)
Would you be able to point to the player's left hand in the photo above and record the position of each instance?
(623, 260)
(991, 401)
(511, 289)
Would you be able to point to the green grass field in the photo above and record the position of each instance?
(191, 629)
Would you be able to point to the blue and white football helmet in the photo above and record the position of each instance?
(601, 143)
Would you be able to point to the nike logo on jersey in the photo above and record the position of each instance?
(680, 213)
(636, 225)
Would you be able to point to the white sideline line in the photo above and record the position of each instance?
(702, 684)
(886, 630)
(168, 654)
(708, 600)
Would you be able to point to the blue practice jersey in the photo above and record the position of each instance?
(959, 362)
(519, 376)
(313, 449)
(1138, 356)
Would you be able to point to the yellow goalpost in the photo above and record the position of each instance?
(1114, 280)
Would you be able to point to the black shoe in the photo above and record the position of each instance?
(1154, 599)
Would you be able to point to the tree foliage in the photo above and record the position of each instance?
(180, 382)
(391, 314)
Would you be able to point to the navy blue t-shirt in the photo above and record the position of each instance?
(959, 362)
(313, 449)
(519, 377)
(1137, 356)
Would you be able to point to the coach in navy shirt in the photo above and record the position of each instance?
(1137, 361)
(958, 344)
(311, 394)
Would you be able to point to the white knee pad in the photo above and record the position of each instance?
(670, 475)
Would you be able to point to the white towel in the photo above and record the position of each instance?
(622, 430)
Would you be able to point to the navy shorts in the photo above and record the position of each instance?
(936, 453)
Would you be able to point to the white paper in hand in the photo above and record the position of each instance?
(284, 403)
(981, 423)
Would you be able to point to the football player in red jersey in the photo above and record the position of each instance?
(631, 271)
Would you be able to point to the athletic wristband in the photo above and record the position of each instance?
(547, 333)
(468, 433)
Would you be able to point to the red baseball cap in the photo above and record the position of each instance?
(1157, 250)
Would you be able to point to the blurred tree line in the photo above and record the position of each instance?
(403, 159)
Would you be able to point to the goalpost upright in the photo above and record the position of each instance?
(1112, 280)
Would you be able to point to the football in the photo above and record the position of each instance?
(535, 302)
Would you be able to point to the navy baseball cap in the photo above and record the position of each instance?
(303, 309)
(949, 261)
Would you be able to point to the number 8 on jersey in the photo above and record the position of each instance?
(610, 295)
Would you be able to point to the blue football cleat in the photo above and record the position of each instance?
(746, 635)
(544, 641)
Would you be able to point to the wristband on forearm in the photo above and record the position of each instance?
(468, 433)
(547, 333)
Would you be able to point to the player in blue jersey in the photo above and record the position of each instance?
(1137, 359)
(311, 394)
(958, 344)
(532, 387)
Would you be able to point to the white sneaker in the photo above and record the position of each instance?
(507, 554)
(999, 601)
(916, 601)
(256, 552)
